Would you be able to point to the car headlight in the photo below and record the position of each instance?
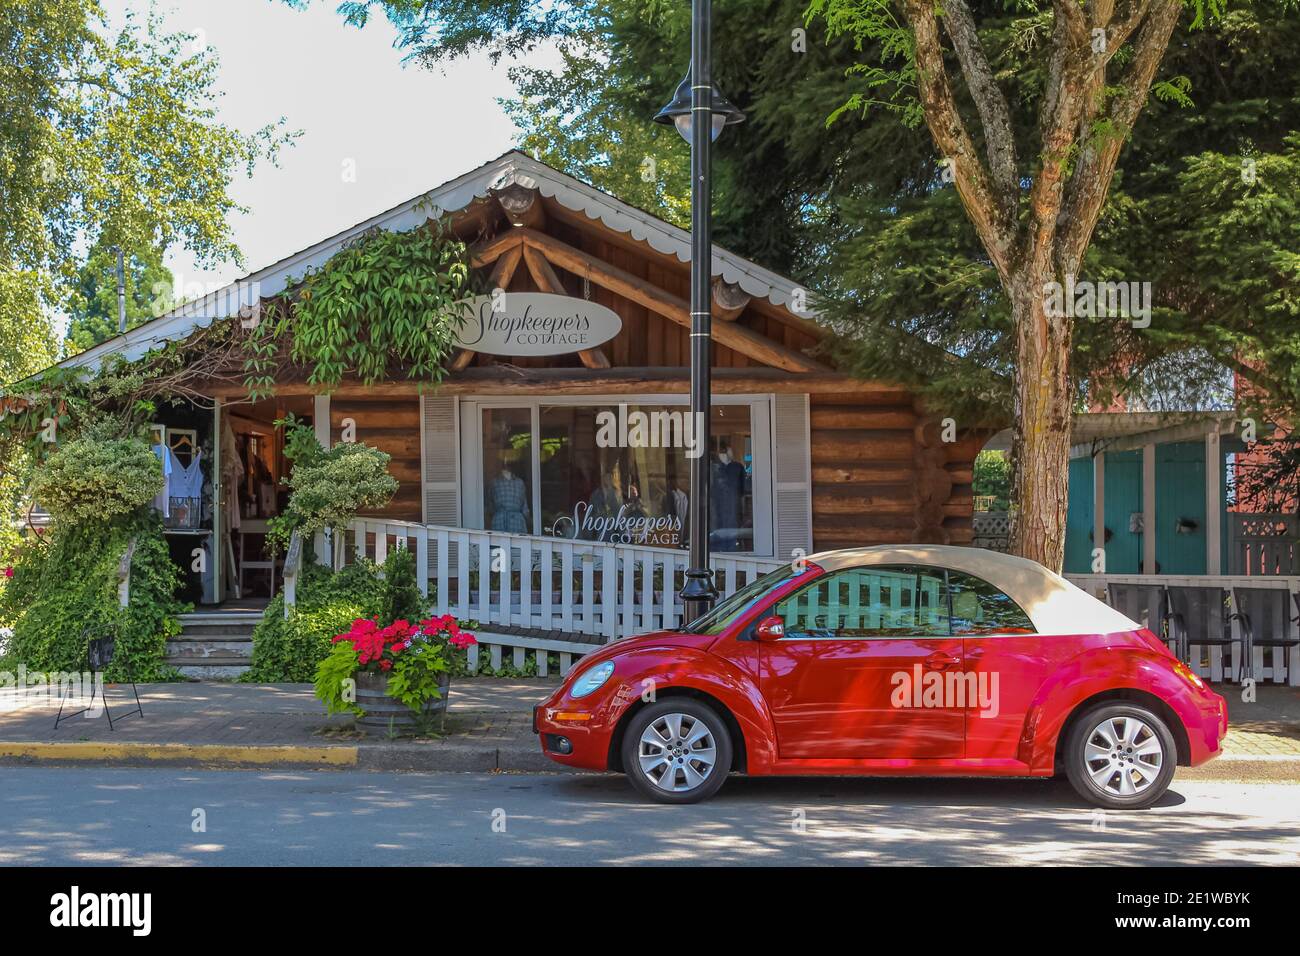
(591, 680)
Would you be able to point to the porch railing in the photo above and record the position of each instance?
(1142, 603)
(541, 594)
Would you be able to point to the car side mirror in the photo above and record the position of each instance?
(771, 628)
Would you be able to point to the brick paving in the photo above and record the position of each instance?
(1269, 726)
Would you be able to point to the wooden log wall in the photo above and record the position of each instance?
(882, 475)
(391, 424)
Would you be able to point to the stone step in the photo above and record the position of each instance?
(195, 651)
(212, 671)
(218, 632)
(219, 624)
(213, 645)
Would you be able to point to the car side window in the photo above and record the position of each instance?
(868, 602)
(980, 608)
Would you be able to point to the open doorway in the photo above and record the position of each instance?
(253, 469)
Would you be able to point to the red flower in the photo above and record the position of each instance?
(9, 571)
(385, 665)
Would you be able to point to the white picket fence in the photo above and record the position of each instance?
(1273, 664)
(591, 593)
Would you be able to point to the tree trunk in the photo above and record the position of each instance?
(1043, 411)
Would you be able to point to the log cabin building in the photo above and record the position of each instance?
(804, 457)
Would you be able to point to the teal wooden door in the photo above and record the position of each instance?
(1123, 499)
(1180, 498)
(1078, 519)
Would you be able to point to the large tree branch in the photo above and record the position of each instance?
(1095, 167)
(999, 142)
(1118, 34)
(1063, 102)
(974, 184)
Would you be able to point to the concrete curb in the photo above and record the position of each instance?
(462, 757)
(438, 756)
(446, 756)
(199, 755)
(1245, 768)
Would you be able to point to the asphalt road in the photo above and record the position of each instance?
(147, 816)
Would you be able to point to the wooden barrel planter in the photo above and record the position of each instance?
(384, 713)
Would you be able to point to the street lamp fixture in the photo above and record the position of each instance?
(696, 96)
(678, 112)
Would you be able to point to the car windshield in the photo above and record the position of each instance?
(720, 618)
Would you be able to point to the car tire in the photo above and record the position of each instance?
(1120, 756)
(677, 751)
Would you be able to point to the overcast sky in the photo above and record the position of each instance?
(405, 129)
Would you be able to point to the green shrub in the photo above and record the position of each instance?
(64, 593)
(402, 597)
(328, 488)
(96, 480)
(289, 650)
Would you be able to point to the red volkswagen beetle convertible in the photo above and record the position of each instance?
(888, 661)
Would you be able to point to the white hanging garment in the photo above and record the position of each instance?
(162, 500)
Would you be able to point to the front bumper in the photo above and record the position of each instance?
(587, 725)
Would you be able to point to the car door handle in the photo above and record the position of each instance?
(939, 660)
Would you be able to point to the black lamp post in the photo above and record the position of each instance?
(697, 97)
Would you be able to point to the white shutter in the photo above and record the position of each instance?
(440, 459)
(791, 474)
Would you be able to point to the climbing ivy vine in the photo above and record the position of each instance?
(387, 300)
(388, 297)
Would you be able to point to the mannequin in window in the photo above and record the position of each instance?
(608, 499)
(727, 489)
(508, 499)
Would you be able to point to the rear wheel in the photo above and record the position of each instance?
(677, 751)
(1120, 756)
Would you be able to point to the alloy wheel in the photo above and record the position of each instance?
(677, 752)
(1123, 756)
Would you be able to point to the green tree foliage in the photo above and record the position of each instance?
(993, 478)
(105, 139)
(93, 312)
(112, 140)
(777, 177)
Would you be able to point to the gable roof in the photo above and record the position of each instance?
(511, 168)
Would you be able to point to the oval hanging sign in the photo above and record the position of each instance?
(535, 323)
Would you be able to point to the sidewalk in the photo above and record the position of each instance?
(1270, 726)
(488, 727)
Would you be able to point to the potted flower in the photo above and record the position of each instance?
(391, 677)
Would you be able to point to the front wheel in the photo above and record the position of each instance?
(677, 751)
(1120, 756)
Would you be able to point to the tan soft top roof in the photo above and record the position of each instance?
(1054, 604)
